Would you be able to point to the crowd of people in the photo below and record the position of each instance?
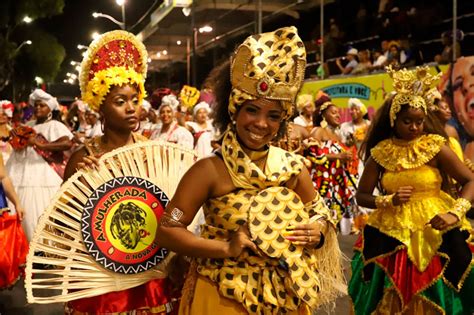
(398, 179)
(375, 34)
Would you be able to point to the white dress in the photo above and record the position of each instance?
(95, 131)
(204, 136)
(175, 134)
(34, 180)
(300, 120)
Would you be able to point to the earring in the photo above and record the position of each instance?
(102, 123)
(323, 123)
(50, 116)
(137, 127)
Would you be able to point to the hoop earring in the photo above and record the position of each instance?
(50, 116)
(102, 123)
(137, 127)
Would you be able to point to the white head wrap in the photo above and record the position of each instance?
(201, 105)
(40, 95)
(81, 106)
(146, 106)
(357, 102)
(170, 100)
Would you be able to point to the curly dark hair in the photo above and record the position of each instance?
(221, 85)
(379, 130)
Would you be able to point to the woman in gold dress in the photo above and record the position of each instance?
(416, 252)
(268, 245)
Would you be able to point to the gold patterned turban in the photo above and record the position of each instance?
(269, 65)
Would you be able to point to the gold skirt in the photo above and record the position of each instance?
(207, 300)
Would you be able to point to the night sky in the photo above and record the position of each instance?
(76, 24)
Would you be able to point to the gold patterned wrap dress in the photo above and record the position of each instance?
(281, 278)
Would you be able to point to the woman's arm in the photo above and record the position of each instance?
(202, 181)
(62, 144)
(448, 162)
(318, 134)
(73, 163)
(307, 234)
(368, 182)
(10, 190)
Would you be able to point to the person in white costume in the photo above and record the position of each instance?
(33, 178)
(354, 131)
(305, 106)
(202, 129)
(170, 130)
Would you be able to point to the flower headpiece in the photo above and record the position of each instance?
(115, 58)
(269, 65)
(325, 106)
(411, 88)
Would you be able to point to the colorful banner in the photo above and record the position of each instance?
(370, 89)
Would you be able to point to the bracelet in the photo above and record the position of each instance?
(469, 164)
(461, 207)
(172, 219)
(321, 241)
(384, 202)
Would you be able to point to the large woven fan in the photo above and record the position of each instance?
(99, 233)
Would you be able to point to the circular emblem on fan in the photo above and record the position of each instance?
(119, 224)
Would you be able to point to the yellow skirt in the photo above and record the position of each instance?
(207, 300)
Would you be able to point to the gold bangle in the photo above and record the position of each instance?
(384, 202)
(461, 207)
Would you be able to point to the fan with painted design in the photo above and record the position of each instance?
(99, 233)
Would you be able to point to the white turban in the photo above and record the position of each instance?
(202, 105)
(170, 100)
(40, 95)
(357, 102)
(146, 106)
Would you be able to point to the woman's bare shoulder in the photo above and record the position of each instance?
(211, 171)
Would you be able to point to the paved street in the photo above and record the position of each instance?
(13, 302)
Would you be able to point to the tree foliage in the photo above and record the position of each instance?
(43, 58)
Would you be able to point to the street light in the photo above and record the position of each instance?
(122, 4)
(98, 14)
(95, 35)
(27, 19)
(205, 29)
(26, 42)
